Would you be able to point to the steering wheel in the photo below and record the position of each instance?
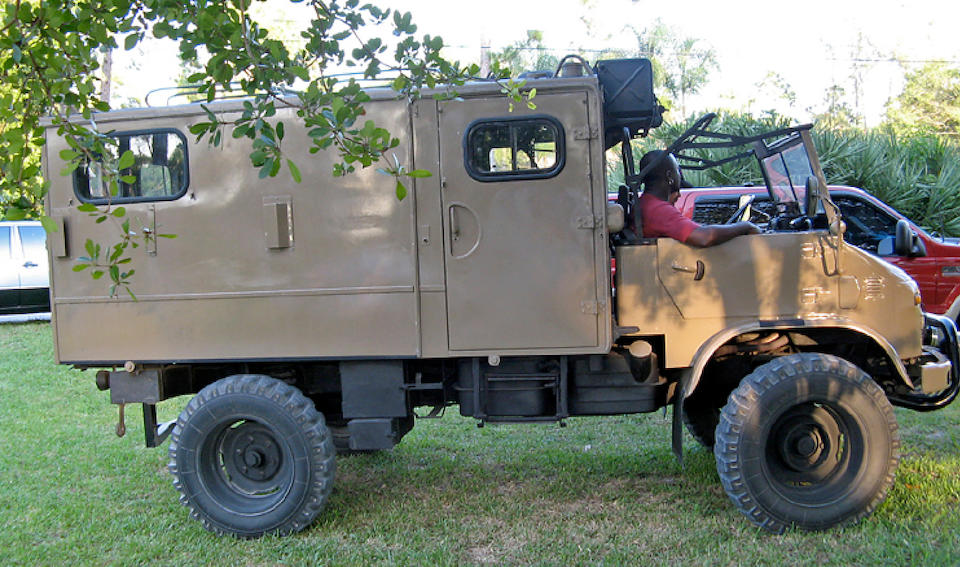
(733, 218)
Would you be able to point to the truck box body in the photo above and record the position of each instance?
(338, 267)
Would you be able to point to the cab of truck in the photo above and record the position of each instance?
(872, 225)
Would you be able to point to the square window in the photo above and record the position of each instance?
(159, 171)
(524, 148)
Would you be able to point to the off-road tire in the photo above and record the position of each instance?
(767, 449)
(250, 455)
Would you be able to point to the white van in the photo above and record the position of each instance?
(24, 269)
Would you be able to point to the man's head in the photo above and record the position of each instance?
(664, 179)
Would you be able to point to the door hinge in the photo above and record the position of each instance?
(586, 133)
(592, 307)
(588, 222)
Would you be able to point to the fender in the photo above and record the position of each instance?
(705, 352)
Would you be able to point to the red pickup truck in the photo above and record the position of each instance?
(871, 224)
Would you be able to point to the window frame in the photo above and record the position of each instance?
(114, 200)
(522, 175)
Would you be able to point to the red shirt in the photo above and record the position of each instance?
(660, 218)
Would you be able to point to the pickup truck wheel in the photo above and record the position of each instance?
(251, 455)
(807, 440)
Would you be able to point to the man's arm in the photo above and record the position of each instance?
(713, 234)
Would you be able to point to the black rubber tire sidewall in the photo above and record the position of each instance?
(764, 396)
(293, 422)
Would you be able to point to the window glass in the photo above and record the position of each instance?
(159, 170)
(866, 224)
(33, 240)
(525, 148)
(4, 242)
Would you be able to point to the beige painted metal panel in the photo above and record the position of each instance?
(784, 277)
(429, 231)
(294, 326)
(523, 274)
(345, 286)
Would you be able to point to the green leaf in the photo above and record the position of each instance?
(70, 168)
(401, 190)
(293, 170)
(119, 212)
(49, 224)
(87, 208)
(14, 214)
(67, 155)
(419, 173)
(80, 267)
(266, 168)
(131, 41)
(126, 160)
(96, 274)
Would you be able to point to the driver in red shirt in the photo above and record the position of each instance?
(660, 217)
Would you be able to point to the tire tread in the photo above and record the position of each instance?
(296, 405)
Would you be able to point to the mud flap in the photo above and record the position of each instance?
(678, 427)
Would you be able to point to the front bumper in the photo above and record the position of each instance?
(939, 371)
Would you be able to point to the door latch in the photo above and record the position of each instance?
(698, 271)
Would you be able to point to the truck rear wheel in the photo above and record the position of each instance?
(807, 440)
(251, 455)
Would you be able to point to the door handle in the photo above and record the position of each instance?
(454, 225)
(698, 271)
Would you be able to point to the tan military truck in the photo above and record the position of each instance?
(304, 315)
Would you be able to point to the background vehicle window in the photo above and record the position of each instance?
(159, 170)
(33, 240)
(527, 148)
(4, 242)
(866, 224)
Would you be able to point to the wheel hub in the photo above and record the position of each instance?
(803, 447)
(251, 457)
(803, 441)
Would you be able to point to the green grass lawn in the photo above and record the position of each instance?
(600, 491)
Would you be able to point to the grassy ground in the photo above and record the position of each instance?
(600, 491)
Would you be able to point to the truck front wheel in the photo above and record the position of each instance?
(251, 455)
(807, 440)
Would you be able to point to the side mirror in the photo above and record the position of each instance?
(906, 242)
(886, 246)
